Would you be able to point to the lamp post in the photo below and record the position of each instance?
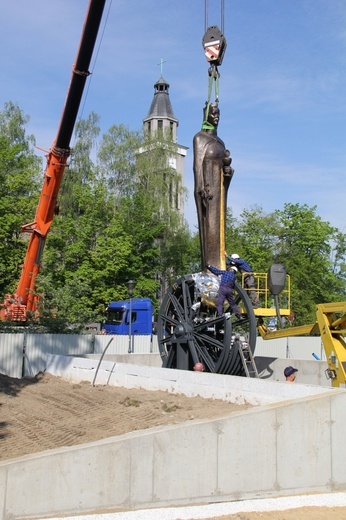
(130, 286)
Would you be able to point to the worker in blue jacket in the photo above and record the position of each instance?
(226, 289)
(249, 279)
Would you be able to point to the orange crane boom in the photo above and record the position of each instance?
(15, 306)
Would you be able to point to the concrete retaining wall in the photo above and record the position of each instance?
(213, 386)
(269, 369)
(270, 451)
(310, 372)
(287, 447)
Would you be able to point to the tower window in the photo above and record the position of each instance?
(160, 124)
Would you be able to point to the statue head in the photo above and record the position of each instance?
(211, 116)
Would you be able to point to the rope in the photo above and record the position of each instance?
(208, 126)
(213, 79)
(205, 15)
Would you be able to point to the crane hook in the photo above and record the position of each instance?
(214, 41)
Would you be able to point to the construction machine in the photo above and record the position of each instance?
(16, 306)
(330, 324)
(274, 291)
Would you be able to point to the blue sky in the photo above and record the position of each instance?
(282, 85)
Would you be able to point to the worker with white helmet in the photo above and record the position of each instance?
(249, 279)
(226, 289)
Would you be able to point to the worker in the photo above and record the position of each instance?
(249, 279)
(226, 289)
(290, 374)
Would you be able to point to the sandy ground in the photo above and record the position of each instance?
(45, 412)
(303, 513)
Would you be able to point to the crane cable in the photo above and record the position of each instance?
(206, 8)
(213, 72)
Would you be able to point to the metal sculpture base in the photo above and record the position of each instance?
(190, 332)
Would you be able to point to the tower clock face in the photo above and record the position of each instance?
(172, 162)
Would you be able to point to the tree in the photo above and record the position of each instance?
(159, 186)
(253, 237)
(67, 272)
(338, 262)
(115, 224)
(305, 247)
(19, 190)
(312, 251)
(117, 160)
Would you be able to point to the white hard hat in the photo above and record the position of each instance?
(233, 267)
(235, 256)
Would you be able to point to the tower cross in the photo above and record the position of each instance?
(162, 61)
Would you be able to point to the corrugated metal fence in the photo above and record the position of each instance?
(26, 353)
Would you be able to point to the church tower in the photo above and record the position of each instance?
(161, 118)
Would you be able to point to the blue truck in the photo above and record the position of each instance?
(117, 317)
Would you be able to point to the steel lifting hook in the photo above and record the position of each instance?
(214, 41)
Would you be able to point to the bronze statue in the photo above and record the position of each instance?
(213, 174)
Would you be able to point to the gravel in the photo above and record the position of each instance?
(223, 508)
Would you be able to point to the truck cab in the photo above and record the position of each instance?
(117, 317)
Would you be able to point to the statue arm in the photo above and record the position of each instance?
(198, 156)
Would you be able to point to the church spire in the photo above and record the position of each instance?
(161, 116)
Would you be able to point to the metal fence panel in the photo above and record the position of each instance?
(304, 347)
(155, 347)
(300, 347)
(11, 354)
(38, 346)
(144, 344)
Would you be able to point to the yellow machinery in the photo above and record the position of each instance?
(330, 324)
(268, 308)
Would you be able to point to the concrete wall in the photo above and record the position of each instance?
(287, 447)
(270, 451)
(212, 386)
(309, 372)
(150, 360)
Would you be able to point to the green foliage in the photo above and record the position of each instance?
(338, 263)
(19, 184)
(117, 160)
(115, 224)
(312, 251)
(305, 247)
(253, 237)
